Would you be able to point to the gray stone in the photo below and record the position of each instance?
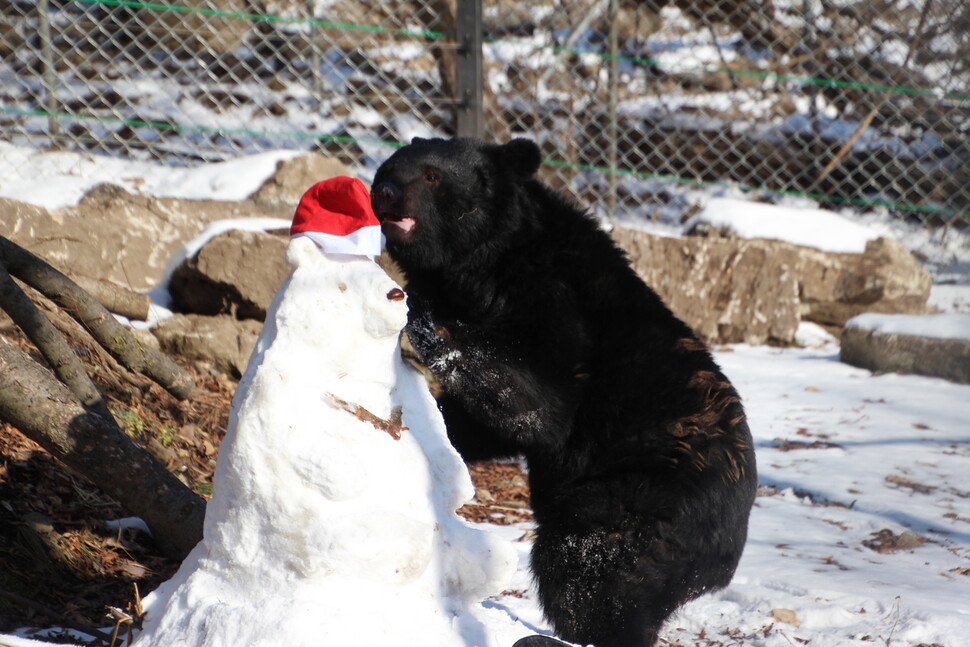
(726, 290)
(236, 273)
(889, 352)
(885, 279)
(756, 291)
(223, 340)
(294, 176)
(115, 235)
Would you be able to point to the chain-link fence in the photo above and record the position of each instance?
(637, 105)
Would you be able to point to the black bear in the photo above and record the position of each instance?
(547, 344)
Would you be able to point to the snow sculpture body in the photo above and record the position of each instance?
(332, 519)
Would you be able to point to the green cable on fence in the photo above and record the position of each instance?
(640, 175)
(255, 17)
(820, 197)
(434, 35)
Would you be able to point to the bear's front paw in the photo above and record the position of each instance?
(429, 340)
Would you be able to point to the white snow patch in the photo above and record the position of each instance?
(947, 325)
(816, 228)
(56, 179)
(128, 523)
(950, 298)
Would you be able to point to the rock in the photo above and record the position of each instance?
(886, 278)
(115, 235)
(294, 176)
(222, 340)
(892, 352)
(236, 273)
(727, 290)
(756, 291)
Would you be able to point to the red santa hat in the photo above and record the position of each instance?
(337, 216)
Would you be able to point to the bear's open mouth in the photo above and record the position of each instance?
(392, 223)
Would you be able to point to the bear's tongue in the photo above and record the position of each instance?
(405, 225)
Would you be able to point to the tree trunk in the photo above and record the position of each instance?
(47, 412)
(50, 343)
(116, 298)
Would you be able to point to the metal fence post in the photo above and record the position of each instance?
(470, 120)
(47, 60)
(614, 76)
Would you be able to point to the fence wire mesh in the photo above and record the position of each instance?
(638, 106)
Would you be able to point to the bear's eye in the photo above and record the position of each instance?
(431, 176)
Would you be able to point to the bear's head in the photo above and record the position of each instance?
(441, 200)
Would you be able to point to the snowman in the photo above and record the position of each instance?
(332, 520)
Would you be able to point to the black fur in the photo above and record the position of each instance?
(546, 343)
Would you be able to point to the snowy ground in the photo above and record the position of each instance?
(862, 533)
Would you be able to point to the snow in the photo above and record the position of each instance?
(947, 325)
(60, 178)
(849, 463)
(800, 226)
(950, 298)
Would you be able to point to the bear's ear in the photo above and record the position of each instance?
(521, 157)
(418, 140)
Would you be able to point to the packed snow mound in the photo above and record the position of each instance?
(332, 520)
(59, 179)
(947, 325)
(816, 228)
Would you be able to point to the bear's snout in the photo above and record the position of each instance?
(385, 200)
(384, 197)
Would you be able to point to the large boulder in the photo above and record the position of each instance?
(116, 235)
(236, 273)
(756, 291)
(128, 238)
(294, 176)
(886, 278)
(726, 290)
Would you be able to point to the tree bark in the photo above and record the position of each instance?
(97, 320)
(45, 411)
(49, 342)
(116, 298)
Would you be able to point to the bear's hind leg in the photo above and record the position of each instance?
(593, 592)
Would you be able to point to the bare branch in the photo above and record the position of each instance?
(113, 336)
(49, 342)
(116, 298)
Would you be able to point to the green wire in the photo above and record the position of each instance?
(820, 197)
(164, 126)
(640, 175)
(785, 78)
(265, 18)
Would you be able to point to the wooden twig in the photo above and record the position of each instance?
(392, 427)
(720, 53)
(102, 325)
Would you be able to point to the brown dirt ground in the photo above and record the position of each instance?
(60, 566)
